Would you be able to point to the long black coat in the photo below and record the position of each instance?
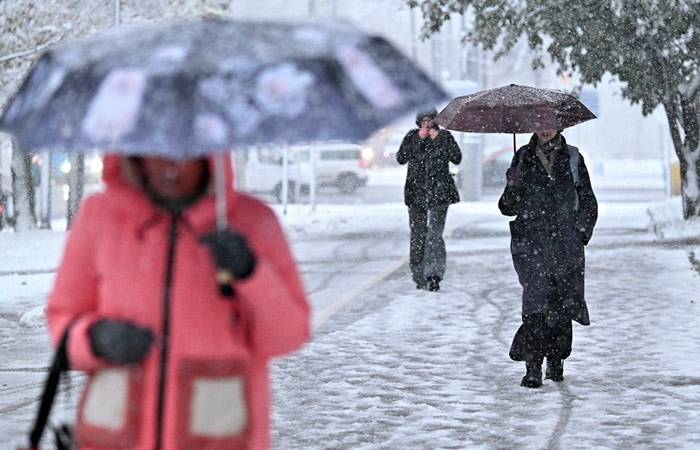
(428, 181)
(549, 232)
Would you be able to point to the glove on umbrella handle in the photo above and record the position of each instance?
(233, 257)
(225, 279)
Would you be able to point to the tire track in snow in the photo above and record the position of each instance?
(387, 272)
(567, 405)
(326, 281)
(497, 329)
(5, 273)
(352, 263)
(13, 407)
(566, 397)
(24, 369)
(492, 294)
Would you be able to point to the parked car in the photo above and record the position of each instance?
(338, 164)
(263, 172)
(494, 166)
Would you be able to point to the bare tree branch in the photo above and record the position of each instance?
(30, 52)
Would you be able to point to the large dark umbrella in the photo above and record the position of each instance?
(513, 109)
(188, 88)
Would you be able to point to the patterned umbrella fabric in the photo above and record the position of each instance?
(513, 109)
(187, 88)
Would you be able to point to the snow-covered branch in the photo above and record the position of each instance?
(29, 52)
(691, 89)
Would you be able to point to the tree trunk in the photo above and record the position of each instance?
(76, 184)
(690, 181)
(23, 190)
(684, 114)
(45, 191)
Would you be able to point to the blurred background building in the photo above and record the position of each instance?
(621, 137)
(624, 150)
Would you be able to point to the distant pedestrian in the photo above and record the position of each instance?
(428, 192)
(549, 191)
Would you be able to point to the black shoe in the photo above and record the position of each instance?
(533, 377)
(433, 284)
(555, 370)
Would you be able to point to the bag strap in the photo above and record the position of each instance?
(573, 165)
(59, 364)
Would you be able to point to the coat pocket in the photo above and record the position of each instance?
(520, 242)
(110, 408)
(214, 405)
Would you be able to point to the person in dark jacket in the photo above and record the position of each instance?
(549, 191)
(429, 190)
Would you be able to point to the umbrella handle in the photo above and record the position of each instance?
(223, 277)
(220, 190)
(225, 280)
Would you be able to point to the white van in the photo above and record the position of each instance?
(338, 164)
(262, 172)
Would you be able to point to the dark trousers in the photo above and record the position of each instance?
(427, 255)
(542, 336)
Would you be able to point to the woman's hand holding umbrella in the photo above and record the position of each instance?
(232, 256)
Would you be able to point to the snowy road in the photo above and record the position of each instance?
(392, 367)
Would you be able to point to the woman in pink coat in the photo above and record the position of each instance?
(174, 360)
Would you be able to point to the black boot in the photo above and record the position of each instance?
(533, 377)
(433, 284)
(555, 370)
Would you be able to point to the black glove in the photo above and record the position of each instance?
(514, 176)
(231, 252)
(120, 341)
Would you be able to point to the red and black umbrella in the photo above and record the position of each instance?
(513, 109)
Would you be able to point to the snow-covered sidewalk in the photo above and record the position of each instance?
(400, 368)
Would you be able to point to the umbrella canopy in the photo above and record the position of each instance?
(187, 88)
(513, 109)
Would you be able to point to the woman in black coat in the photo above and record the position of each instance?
(549, 191)
(429, 190)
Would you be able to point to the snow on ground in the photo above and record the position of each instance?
(628, 173)
(666, 219)
(398, 368)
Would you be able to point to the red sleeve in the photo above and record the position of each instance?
(273, 295)
(73, 299)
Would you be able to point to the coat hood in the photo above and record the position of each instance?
(118, 172)
(428, 112)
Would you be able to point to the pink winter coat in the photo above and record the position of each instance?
(209, 373)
